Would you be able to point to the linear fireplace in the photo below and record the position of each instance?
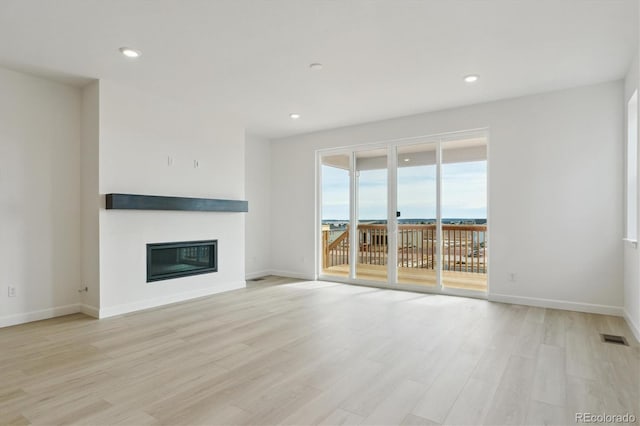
(179, 259)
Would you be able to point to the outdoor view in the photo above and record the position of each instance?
(464, 251)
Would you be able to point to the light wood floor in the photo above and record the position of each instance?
(285, 352)
(414, 276)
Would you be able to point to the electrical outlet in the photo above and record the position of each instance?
(11, 292)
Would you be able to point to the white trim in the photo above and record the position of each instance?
(392, 146)
(257, 274)
(412, 140)
(354, 235)
(557, 304)
(631, 168)
(318, 235)
(392, 208)
(635, 329)
(292, 274)
(166, 300)
(439, 245)
(487, 237)
(89, 310)
(24, 317)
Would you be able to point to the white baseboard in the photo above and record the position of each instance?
(557, 304)
(166, 300)
(258, 274)
(632, 325)
(89, 310)
(43, 314)
(25, 317)
(291, 274)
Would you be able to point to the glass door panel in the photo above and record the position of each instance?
(417, 201)
(372, 237)
(464, 214)
(335, 215)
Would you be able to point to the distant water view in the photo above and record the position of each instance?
(338, 226)
(341, 224)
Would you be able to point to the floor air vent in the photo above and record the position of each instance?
(610, 338)
(257, 279)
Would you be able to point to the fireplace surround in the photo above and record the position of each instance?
(180, 259)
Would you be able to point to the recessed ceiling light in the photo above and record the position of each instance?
(316, 66)
(471, 78)
(406, 160)
(294, 116)
(129, 52)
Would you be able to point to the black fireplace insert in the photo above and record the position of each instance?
(180, 259)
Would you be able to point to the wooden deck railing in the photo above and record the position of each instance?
(464, 247)
(337, 251)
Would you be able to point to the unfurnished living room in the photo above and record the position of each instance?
(319, 212)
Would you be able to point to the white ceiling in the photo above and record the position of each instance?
(381, 59)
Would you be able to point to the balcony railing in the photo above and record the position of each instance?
(464, 247)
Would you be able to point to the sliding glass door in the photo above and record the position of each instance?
(464, 214)
(335, 196)
(417, 214)
(408, 214)
(372, 238)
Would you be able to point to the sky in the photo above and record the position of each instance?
(464, 189)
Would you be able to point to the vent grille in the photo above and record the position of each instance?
(617, 340)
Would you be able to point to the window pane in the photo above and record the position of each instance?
(464, 214)
(335, 215)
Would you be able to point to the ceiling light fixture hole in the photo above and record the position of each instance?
(130, 53)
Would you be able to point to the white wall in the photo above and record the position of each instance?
(40, 203)
(555, 193)
(258, 219)
(631, 253)
(138, 132)
(90, 199)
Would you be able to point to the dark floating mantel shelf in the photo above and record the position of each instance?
(155, 202)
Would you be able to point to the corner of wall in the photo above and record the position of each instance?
(40, 149)
(633, 325)
(631, 264)
(258, 228)
(90, 198)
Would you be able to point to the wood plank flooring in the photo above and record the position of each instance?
(297, 353)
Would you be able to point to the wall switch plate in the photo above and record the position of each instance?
(11, 291)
